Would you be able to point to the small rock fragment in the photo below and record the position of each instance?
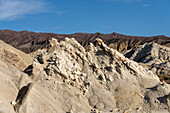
(13, 103)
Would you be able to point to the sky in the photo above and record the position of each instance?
(129, 17)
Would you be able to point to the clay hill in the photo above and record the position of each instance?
(31, 41)
(15, 57)
(153, 56)
(69, 78)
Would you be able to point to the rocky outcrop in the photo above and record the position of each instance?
(105, 78)
(157, 57)
(31, 41)
(20, 94)
(70, 78)
(15, 57)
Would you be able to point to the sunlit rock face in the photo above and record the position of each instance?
(70, 78)
(17, 58)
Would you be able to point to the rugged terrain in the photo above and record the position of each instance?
(32, 41)
(155, 56)
(67, 77)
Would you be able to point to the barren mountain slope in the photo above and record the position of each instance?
(69, 78)
(154, 55)
(31, 41)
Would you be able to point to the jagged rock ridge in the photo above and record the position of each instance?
(70, 78)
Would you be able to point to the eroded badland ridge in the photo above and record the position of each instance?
(86, 77)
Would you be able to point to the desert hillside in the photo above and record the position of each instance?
(153, 56)
(14, 56)
(69, 78)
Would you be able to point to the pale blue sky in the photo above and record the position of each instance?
(130, 17)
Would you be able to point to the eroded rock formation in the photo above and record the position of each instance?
(70, 78)
(157, 57)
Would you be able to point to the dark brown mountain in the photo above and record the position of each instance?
(31, 41)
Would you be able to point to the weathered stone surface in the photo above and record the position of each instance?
(13, 56)
(154, 55)
(69, 78)
(112, 78)
(9, 82)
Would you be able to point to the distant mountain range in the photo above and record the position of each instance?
(31, 41)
